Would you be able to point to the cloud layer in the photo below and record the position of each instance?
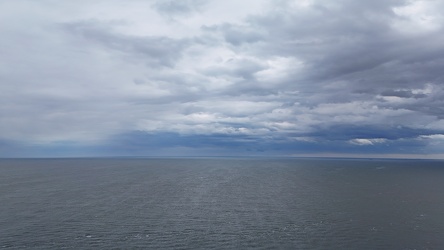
(213, 77)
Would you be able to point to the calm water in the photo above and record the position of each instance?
(221, 203)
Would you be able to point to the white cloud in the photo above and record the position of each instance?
(433, 137)
(373, 141)
(419, 17)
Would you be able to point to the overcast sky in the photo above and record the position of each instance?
(213, 77)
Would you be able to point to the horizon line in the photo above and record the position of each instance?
(296, 156)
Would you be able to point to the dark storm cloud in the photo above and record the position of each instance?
(141, 143)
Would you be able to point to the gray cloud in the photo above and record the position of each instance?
(403, 94)
(237, 35)
(297, 76)
(154, 51)
(178, 8)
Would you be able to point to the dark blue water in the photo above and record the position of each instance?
(221, 203)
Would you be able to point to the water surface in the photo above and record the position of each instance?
(221, 203)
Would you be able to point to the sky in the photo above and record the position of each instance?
(343, 78)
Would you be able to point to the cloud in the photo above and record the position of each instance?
(154, 51)
(174, 8)
(433, 136)
(282, 77)
(367, 141)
